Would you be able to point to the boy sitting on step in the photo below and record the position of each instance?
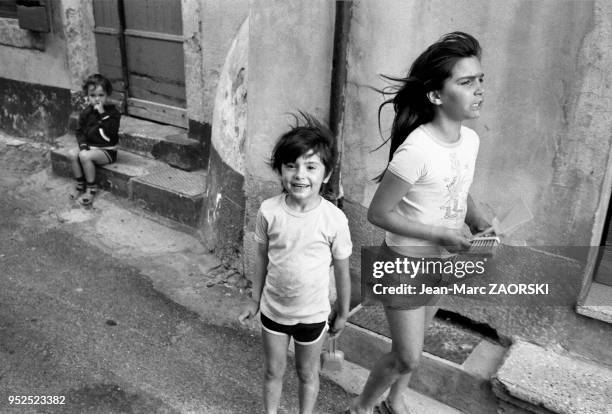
(97, 135)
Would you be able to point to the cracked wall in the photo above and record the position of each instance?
(209, 27)
(222, 228)
(39, 71)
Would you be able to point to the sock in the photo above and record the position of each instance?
(92, 187)
(80, 183)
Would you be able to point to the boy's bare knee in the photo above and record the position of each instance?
(84, 155)
(307, 375)
(274, 371)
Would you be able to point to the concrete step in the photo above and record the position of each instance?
(156, 186)
(455, 368)
(165, 143)
(536, 380)
(352, 379)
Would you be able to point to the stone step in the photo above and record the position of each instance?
(165, 143)
(536, 380)
(352, 379)
(455, 368)
(156, 186)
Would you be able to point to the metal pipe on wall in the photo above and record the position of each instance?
(338, 92)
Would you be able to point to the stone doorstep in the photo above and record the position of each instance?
(163, 190)
(465, 386)
(542, 381)
(157, 187)
(166, 143)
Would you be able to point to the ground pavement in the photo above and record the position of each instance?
(121, 311)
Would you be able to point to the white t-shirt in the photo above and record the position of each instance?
(300, 251)
(441, 174)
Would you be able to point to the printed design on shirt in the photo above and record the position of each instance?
(454, 206)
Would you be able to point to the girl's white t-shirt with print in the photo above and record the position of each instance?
(441, 174)
(301, 247)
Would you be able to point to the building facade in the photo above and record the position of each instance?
(230, 72)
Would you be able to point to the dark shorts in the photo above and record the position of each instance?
(302, 333)
(110, 154)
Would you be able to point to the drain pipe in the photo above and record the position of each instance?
(338, 92)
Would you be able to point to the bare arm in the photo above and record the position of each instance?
(474, 217)
(258, 281)
(382, 214)
(343, 291)
(261, 267)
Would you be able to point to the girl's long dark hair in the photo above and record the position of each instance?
(428, 73)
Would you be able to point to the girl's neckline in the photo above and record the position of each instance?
(441, 142)
(297, 212)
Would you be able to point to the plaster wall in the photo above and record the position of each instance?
(222, 228)
(59, 58)
(41, 73)
(230, 109)
(210, 27)
(26, 63)
(78, 23)
(545, 128)
(290, 57)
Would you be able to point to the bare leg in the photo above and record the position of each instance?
(395, 398)
(77, 172)
(75, 164)
(88, 160)
(407, 332)
(275, 360)
(307, 365)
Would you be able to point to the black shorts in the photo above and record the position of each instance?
(110, 154)
(302, 333)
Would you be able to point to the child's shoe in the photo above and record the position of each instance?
(87, 197)
(76, 193)
(78, 190)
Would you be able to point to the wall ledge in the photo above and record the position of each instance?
(598, 303)
(12, 35)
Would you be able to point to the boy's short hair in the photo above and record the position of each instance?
(98, 80)
(308, 135)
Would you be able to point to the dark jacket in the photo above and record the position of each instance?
(98, 130)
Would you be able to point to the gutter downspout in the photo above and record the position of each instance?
(338, 92)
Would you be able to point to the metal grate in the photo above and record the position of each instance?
(187, 183)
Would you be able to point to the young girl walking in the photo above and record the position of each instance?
(423, 200)
(300, 235)
(97, 135)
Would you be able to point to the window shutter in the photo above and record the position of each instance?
(8, 8)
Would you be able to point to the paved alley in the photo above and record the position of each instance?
(80, 322)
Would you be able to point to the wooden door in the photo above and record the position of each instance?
(140, 48)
